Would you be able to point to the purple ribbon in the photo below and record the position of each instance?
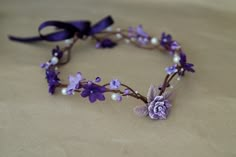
(67, 30)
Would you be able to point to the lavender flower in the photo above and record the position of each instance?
(139, 34)
(52, 79)
(166, 40)
(94, 92)
(174, 46)
(45, 65)
(57, 52)
(115, 84)
(159, 108)
(171, 70)
(186, 66)
(105, 43)
(74, 83)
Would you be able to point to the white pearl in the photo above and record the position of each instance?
(63, 91)
(56, 68)
(178, 78)
(171, 86)
(54, 60)
(118, 35)
(114, 96)
(68, 41)
(136, 92)
(109, 29)
(154, 41)
(176, 58)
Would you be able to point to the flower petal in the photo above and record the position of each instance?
(100, 96)
(92, 98)
(85, 93)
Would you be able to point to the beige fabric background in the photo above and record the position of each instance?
(203, 118)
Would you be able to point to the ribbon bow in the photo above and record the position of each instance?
(83, 28)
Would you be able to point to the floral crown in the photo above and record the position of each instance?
(157, 103)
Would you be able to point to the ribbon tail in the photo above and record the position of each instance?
(25, 39)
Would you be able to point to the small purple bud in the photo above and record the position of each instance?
(98, 79)
(126, 91)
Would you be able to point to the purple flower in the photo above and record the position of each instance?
(105, 43)
(57, 52)
(171, 70)
(115, 84)
(174, 46)
(52, 79)
(186, 66)
(45, 65)
(74, 83)
(159, 108)
(94, 92)
(166, 40)
(139, 34)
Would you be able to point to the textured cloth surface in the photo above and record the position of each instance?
(203, 118)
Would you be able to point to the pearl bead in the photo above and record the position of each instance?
(109, 29)
(154, 41)
(118, 35)
(136, 92)
(176, 58)
(68, 41)
(54, 60)
(116, 97)
(171, 86)
(63, 91)
(178, 78)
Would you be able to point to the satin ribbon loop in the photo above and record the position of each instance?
(66, 30)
